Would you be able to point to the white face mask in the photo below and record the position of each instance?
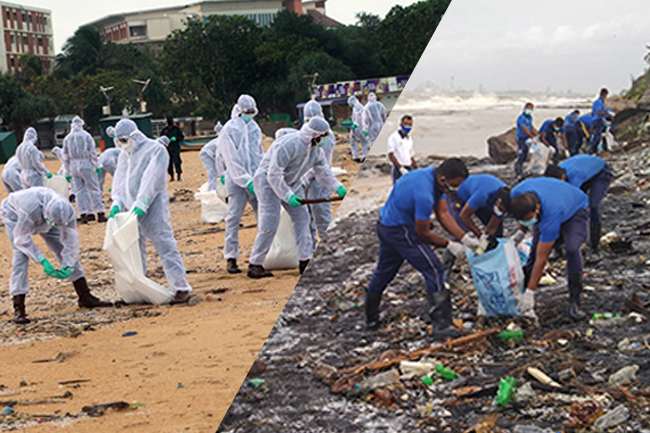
(125, 143)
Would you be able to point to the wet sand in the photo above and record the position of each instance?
(184, 366)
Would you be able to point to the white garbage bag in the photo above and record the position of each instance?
(213, 209)
(284, 251)
(337, 171)
(221, 189)
(58, 184)
(121, 245)
(539, 156)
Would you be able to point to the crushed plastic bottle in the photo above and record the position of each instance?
(612, 418)
(510, 335)
(623, 376)
(530, 429)
(445, 372)
(601, 316)
(427, 381)
(506, 386)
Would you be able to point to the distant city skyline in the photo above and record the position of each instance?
(538, 45)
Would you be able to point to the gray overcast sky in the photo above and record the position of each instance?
(70, 14)
(537, 45)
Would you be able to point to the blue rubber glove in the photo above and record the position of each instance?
(114, 211)
(251, 188)
(49, 175)
(342, 191)
(295, 201)
(99, 171)
(48, 268)
(138, 212)
(64, 273)
(223, 180)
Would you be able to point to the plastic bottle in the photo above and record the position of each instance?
(427, 381)
(506, 386)
(529, 429)
(601, 316)
(445, 372)
(612, 418)
(509, 335)
(623, 376)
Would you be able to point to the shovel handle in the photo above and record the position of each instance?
(321, 200)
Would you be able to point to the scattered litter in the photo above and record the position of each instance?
(130, 334)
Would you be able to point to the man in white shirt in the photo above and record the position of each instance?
(400, 148)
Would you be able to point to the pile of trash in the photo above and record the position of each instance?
(321, 370)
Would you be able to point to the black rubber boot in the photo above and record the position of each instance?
(575, 290)
(90, 217)
(83, 219)
(180, 297)
(519, 168)
(595, 231)
(440, 315)
(86, 299)
(20, 317)
(178, 177)
(303, 265)
(101, 217)
(232, 267)
(372, 302)
(257, 272)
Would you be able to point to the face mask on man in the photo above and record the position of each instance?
(497, 211)
(528, 111)
(248, 117)
(528, 223)
(125, 143)
(406, 129)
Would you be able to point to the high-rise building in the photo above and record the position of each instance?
(25, 30)
(154, 25)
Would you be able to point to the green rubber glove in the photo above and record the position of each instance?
(365, 134)
(114, 211)
(223, 180)
(99, 171)
(251, 188)
(173, 139)
(64, 273)
(48, 268)
(342, 191)
(354, 127)
(138, 212)
(49, 175)
(295, 201)
(68, 178)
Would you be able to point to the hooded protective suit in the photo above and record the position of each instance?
(374, 117)
(58, 152)
(40, 211)
(140, 181)
(80, 161)
(208, 156)
(108, 164)
(279, 177)
(240, 146)
(30, 160)
(356, 135)
(11, 176)
(320, 214)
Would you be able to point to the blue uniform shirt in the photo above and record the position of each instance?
(569, 120)
(581, 168)
(599, 105)
(522, 121)
(587, 120)
(549, 130)
(480, 190)
(413, 197)
(559, 201)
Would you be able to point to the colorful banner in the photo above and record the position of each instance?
(344, 89)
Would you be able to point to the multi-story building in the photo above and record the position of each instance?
(154, 25)
(25, 30)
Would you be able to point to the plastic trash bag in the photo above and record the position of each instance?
(213, 209)
(58, 184)
(121, 245)
(498, 279)
(337, 171)
(539, 156)
(284, 251)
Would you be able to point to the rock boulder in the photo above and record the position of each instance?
(503, 148)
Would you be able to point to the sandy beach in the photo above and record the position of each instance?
(184, 365)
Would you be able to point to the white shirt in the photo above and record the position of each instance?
(401, 147)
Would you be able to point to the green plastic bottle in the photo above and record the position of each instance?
(510, 335)
(605, 316)
(445, 372)
(427, 381)
(506, 386)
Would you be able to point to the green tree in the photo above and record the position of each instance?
(19, 109)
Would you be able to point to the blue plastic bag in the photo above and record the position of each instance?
(498, 279)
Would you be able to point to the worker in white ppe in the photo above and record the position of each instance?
(374, 117)
(240, 145)
(356, 133)
(320, 214)
(82, 166)
(30, 159)
(42, 211)
(108, 159)
(11, 176)
(208, 156)
(276, 182)
(140, 186)
(58, 152)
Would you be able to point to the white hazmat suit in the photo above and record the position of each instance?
(108, 164)
(278, 179)
(40, 211)
(320, 214)
(30, 160)
(81, 163)
(240, 145)
(356, 134)
(11, 176)
(141, 182)
(208, 156)
(374, 117)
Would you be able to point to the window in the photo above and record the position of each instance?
(8, 16)
(40, 42)
(13, 63)
(25, 41)
(30, 19)
(12, 38)
(15, 16)
(138, 31)
(24, 17)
